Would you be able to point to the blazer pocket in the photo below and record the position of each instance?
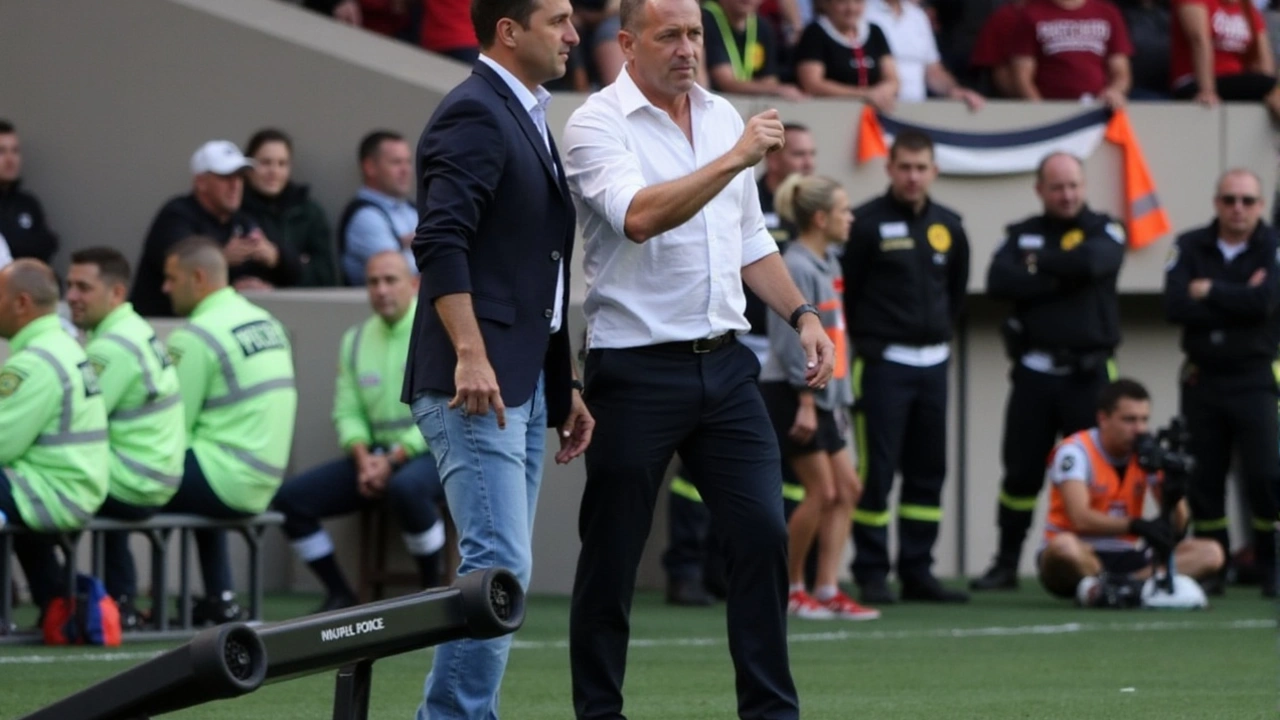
(489, 308)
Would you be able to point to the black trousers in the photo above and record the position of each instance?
(121, 578)
(649, 403)
(195, 497)
(1222, 419)
(901, 424)
(34, 552)
(1041, 408)
(332, 489)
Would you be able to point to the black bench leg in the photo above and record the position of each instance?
(67, 543)
(253, 537)
(184, 577)
(6, 584)
(351, 694)
(159, 577)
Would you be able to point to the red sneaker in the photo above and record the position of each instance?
(845, 608)
(802, 605)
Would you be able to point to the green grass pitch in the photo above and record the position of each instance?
(1007, 656)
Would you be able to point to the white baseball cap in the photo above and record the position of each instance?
(220, 157)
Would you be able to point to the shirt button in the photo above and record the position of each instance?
(547, 313)
(555, 254)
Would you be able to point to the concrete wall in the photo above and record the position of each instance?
(112, 98)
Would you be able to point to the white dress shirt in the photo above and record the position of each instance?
(536, 105)
(911, 42)
(686, 283)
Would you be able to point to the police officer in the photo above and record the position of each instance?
(387, 458)
(235, 373)
(906, 268)
(53, 448)
(1059, 270)
(145, 425)
(1223, 287)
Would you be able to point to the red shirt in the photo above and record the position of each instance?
(1232, 32)
(446, 25)
(1071, 47)
(991, 49)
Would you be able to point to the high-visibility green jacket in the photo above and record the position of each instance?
(366, 402)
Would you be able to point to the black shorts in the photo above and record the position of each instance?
(781, 400)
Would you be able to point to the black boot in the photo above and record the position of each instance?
(997, 577)
(928, 589)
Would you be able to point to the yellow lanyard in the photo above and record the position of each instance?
(738, 60)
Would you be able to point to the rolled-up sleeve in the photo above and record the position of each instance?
(460, 164)
(757, 242)
(600, 167)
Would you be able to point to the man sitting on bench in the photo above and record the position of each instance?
(387, 458)
(145, 424)
(235, 374)
(53, 446)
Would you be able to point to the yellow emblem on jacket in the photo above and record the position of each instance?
(1071, 239)
(939, 237)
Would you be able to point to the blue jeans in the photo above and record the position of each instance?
(491, 479)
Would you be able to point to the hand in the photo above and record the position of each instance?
(882, 97)
(478, 389)
(973, 100)
(347, 12)
(371, 479)
(575, 433)
(264, 251)
(791, 93)
(819, 351)
(762, 135)
(1112, 98)
(1258, 277)
(805, 424)
(249, 283)
(1157, 532)
(238, 249)
(1199, 289)
(1207, 98)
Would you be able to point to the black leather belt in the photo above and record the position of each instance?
(704, 345)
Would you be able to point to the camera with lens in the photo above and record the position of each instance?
(1166, 450)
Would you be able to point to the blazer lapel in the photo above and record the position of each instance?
(561, 181)
(531, 133)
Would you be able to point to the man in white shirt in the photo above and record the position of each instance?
(660, 170)
(915, 53)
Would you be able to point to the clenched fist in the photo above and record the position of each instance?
(762, 136)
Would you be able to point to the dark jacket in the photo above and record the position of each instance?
(294, 220)
(179, 219)
(23, 225)
(497, 222)
(1235, 329)
(1065, 300)
(905, 275)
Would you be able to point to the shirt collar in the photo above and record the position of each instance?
(528, 100)
(631, 99)
(113, 318)
(864, 31)
(214, 300)
(34, 329)
(381, 198)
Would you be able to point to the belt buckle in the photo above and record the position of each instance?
(704, 345)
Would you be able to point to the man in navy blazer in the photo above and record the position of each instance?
(489, 364)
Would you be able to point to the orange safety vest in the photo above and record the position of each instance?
(1109, 494)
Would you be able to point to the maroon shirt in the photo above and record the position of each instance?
(1070, 47)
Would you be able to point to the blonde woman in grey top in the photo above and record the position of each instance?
(811, 423)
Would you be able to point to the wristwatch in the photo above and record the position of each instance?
(576, 384)
(805, 308)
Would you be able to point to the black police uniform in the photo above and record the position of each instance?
(905, 277)
(23, 225)
(1060, 276)
(1228, 380)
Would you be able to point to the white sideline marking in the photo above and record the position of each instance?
(836, 636)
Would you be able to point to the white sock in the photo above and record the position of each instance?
(314, 546)
(797, 587)
(825, 593)
(427, 542)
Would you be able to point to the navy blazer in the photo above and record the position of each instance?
(494, 220)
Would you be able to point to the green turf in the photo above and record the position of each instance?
(1006, 656)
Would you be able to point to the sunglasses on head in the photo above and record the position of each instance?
(1245, 200)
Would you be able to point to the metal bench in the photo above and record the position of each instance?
(158, 531)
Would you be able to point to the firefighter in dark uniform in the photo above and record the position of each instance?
(1222, 285)
(906, 268)
(1059, 270)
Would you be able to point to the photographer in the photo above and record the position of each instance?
(1096, 499)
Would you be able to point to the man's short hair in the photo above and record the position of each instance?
(200, 251)
(630, 14)
(794, 127)
(7, 128)
(1044, 162)
(111, 263)
(372, 142)
(1122, 389)
(36, 279)
(485, 15)
(911, 141)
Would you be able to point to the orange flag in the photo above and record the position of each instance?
(870, 142)
(1147, 219)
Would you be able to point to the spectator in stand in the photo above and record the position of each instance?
(1149, 31)
(1071, 50)
(597, 24)
(212, 209)
(741, 50)
(22, 221)
(915, 53)
(798, 156)
(842, 54)
(380, 217)
(393, 18)
(1221, 52)
(992, 59)
(446, 29)
(285, 211)
(346, 12)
